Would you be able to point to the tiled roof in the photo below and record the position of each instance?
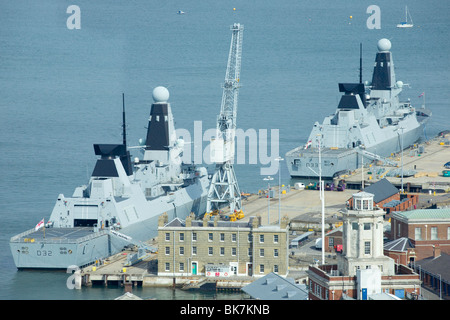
(437, 266)
(275, 287)
(400, 244)
(177, 222)
(382, 189)
(424, 214)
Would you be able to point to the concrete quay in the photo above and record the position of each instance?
(422, 169)
(114, 272)
(298, 205)
(305, 205)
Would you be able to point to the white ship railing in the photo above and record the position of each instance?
(22, 236)
(17, 237)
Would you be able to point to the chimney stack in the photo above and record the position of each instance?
(436, 251)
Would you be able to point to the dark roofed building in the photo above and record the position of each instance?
(402, 250)
(275, 287)
(387, 197)
(382, 190)
(435, 273)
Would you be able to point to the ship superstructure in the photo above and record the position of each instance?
(370, 122)
(122, 201)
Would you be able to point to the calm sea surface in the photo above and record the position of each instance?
(60, 89)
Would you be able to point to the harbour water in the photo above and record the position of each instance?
(61, 90)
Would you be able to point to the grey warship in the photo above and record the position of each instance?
(370, 123)
(122, 201)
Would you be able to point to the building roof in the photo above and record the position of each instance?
(275, 287)
(177, 222)
(303, 236)
(424, 214)
(128, 296)
(335, 230)
(400, 244)
(381, 190)
(363, 194)
(437, 266)
(383, 296)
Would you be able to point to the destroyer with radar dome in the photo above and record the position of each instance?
(122, 201)
(370, 122)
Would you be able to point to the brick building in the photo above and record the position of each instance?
(362, 269)
(425, 228)
(387, 197)
(401, 250)
(435, 273)
(333, 240)
(221, 248)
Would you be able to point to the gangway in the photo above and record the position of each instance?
(374, 156)
(144, 250)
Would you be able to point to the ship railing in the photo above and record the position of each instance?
(92, 236)
(18, 238)
(374, 156)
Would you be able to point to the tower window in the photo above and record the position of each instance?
(367, 247)
(365, 204)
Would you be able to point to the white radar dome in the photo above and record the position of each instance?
(160, 94)
(384, 45)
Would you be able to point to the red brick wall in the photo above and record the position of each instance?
(399, 257)
(316, 293)
(413, 199)
(424, 247)
(337, 239)
(394, 197)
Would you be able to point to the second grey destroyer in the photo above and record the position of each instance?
(370, 121)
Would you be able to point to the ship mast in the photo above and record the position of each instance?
(224, 189)
(125, 158)
(124, 130)
(360, 63)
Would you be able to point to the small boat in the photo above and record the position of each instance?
(406, 24)
(180, 12)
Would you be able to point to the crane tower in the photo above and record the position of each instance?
(224, 189)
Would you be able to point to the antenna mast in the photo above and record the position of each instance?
(124, 130)
(360, 63)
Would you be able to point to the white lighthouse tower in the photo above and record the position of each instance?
(363, 238)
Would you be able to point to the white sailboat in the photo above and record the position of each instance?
(406, 24)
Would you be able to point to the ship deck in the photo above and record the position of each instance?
(62, 235)
(315, 151)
